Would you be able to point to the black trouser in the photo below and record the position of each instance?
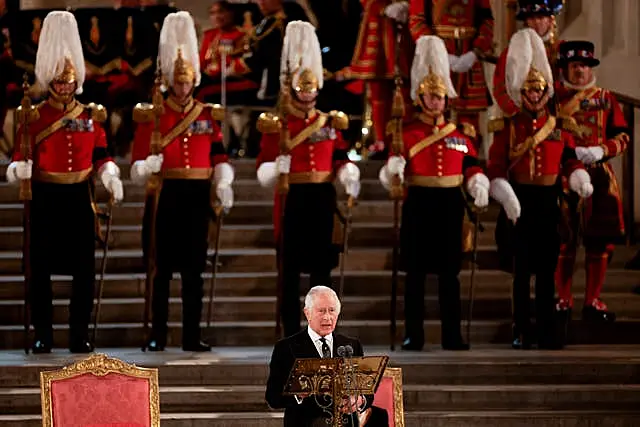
(536, 249)
(182, 223)
(290, 308)
(62, 242)
(448, 299)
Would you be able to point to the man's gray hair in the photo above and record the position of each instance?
(309, 300)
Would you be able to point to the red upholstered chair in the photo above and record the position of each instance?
(100, 391)
(388, 398)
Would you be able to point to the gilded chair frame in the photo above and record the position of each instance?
(398, 405)
(99, 365)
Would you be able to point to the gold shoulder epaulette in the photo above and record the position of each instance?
(569, 124)
(469, 130)
(98, 112)
(143, 112)
(217, 111)
(496, 125)
(339, 120)
(269, 123)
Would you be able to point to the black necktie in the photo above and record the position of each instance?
(326, 353)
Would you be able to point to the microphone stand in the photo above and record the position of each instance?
(346, 352)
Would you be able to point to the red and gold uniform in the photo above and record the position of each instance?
(374, 62)
(214, 42)
(67, 148)
(465, 26)
(600, 123)
(189, 161)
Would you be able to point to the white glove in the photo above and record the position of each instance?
(223, 175)
(478, 187)
(453, 62)
(349, 177)
(283, 164)
(21, 170)
(589, 155)
(398, 11)
(465, 62)
(580, 182)
(502, 191)
(142, 169)
(395, 166)
(110, 178)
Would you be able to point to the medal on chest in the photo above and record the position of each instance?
(201, 127)
(78, 125)
(323, 134)
(456, 143)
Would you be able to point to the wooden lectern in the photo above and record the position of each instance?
(331, 380)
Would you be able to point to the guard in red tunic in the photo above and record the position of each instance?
(438, 162)
(466, 26)
(529, 155)
(374, 61)
(68, 147)
(602, 134)
(539, 15)
(190, 160)
(232, 40)
(314, 156)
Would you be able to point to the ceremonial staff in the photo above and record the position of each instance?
(283, 189)
(103, 270)
(26, 114)
(154, 184)
(397, 190)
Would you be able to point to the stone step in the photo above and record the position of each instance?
(356, 283)
(263, 259)
(413, 419)
(262, 309)
(234, 398)
(370, 331)
(485, 365)
(376, 234)
(244, 168)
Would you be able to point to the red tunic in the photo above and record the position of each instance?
(193, 151)
(464, 25)
(69, 154)
(374, 55)
(315, 159)
(499, 78)
(512, 157)
(601, 123)
(441, 163)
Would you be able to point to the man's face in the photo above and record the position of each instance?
(269, 6)
(540, 23)
(220, 18)
(322, 317)
(579, 73)
(182, 90)
(534, 95)
(434, 103)
(64, 89)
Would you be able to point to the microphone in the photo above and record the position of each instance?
(348, 350)
(342, 351)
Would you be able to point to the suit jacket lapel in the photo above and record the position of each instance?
(304, 346)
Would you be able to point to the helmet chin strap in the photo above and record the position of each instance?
(426, 110)
(535, 107)
(303, 106)
(62, 98)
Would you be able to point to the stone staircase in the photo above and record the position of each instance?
(588, 384)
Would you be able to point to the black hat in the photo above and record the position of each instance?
(577, 50)
(527, 8)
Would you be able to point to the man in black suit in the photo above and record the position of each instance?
(321, 308)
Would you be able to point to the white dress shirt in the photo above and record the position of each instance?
(315, 337)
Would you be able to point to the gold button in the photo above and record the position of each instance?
(69, 169)
(310, 147)
(439, 166)
(70, 144)
(537, 157)
(534, 121)
(189, 134)
(440, 160)
(311, 155)
(312, 163)
(70, 161)
(70, 152)
(538, 174)
(439, 173)
(313, 169)
(68, 136)
(186, 153)
(188, 167)
(186, 139)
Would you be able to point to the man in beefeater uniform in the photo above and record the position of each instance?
(68, 145)
(191, 160)
(315, 155)
(602, 134)
(438, 158)
(466, 26)
(529, 154)
(539, 15)
(374, 61)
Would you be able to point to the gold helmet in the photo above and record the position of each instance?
(59, 57)
(301, 59)
(178, 50)
(430, 71)
(527, 66)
